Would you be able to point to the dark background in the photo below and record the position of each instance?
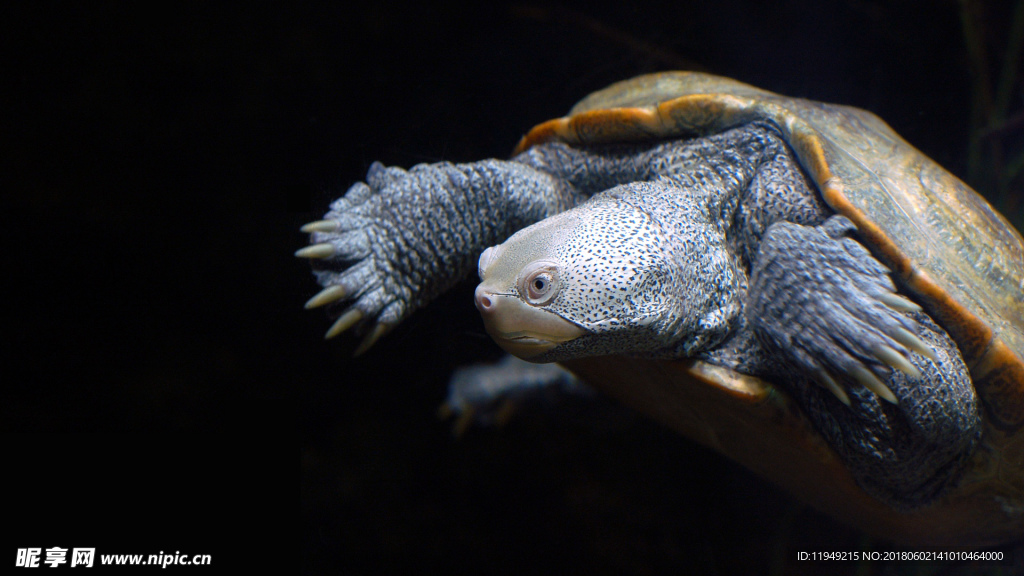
(159, 161)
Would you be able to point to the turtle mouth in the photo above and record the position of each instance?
(526, 345)
(520, 329)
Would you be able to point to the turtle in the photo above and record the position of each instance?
(786, 281)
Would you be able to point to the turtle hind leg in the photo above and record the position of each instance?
(489, 394)
(881, 382)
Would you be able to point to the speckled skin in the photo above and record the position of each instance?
(716, 247)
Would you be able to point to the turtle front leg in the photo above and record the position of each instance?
(819, 298)
(826, 313)
(397, 241)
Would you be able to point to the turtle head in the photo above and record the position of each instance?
(598, 279)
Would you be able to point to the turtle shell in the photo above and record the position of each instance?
(959, 259)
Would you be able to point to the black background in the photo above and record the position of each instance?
(160, 373)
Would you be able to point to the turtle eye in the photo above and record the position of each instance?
(538, 282)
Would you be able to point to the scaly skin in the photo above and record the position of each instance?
(822, 309)
(717, 248)
(389, 246)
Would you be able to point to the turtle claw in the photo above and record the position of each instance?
(868, 379)
(320, 251)
(889, 356)
(829, 383)
(897, 302)
(328, 295)
(325, 226)
(346, 321)
(908, 339)
(375, 334)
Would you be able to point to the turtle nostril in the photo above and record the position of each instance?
(484, 303)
